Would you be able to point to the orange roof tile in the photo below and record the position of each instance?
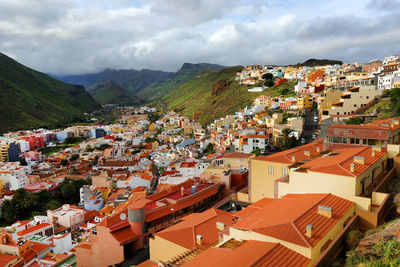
(32, 229)
(204, 224)
(298, 153)
(338, 161)
(286, 218)
(250, 253)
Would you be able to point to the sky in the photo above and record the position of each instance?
(66, 37)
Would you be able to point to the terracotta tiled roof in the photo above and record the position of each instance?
(298, 153)
(124, 235)
(204, 224)
(338, 161)
(286, 218)
(250, 253)
(32, 229)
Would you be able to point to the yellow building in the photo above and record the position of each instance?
(265, 170)
(4, 153)
(304, 102)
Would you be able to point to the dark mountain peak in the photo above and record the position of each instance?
(195, 66)
(312, 62)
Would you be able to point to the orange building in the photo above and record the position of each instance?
(315, 77)
(127, 230)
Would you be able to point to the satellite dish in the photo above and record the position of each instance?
(122, 216)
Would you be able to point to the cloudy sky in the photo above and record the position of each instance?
(84, 36)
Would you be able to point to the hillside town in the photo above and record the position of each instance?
(281, 182)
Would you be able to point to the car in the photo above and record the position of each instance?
(303, 141)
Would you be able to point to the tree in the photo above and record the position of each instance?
(209, 149)
(355, 121)
(395, 100)
(64, 162)
(8, 211)
(70, 140)
(68, 190)
(269, 83)
(89, 149)
(268, 76)
(73, 157)
(23, 162)
(256, 152)
(52, 205)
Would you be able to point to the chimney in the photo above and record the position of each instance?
(318, 149)
(307, 153)
(377, 148)
(182, 191)
(373, 153)
(199, 239)
(309, 230)
(352, 165)
(360, 160)
(220, 226)
(294, 158)
(325, 211)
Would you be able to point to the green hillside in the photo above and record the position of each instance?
(215, 94)
(110, 92)
(29, 98)
(185, 73)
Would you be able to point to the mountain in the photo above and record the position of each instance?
(110, 92)
(185, 73)
(29, 98)
(149, 85)
(215, 93)
(131, 80)
(312, 62)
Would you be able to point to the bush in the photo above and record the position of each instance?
(353, 239)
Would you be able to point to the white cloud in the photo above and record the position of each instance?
(71, 37)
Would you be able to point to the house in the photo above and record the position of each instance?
(304, 102)
(303, 223)
(66, 217)
(184, 235)
(378, 133)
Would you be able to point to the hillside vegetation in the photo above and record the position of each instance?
(29, 98)
(185, 73)
(110, 92)
(215, 93)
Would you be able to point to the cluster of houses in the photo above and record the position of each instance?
(191, 195)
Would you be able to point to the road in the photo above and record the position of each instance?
(163, 106)
(309, 126)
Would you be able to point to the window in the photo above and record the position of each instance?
(284, 172)
(270, 170)
(354, 141)
(94, 231)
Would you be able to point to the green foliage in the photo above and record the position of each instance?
(353, 238)
(110, 92)
(71, 140)
(150, 140)
(195, 95)
(355, 121)
(74, 157)
(103, 147)
(384, 253)
(64, 162)
(268, 76)
(395, 100)
(30, 99)
(153, 117)
(89, 149)
(288, 141)
(188, 71)
(269, 83)
(256, 152)
(25, 205)
(70, 190)
(209, 149)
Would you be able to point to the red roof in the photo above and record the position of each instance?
(188, 164)
(286, 218)
(124, 235)
(298, 153)
(204, 224)
(250, 253)
(32, 229)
